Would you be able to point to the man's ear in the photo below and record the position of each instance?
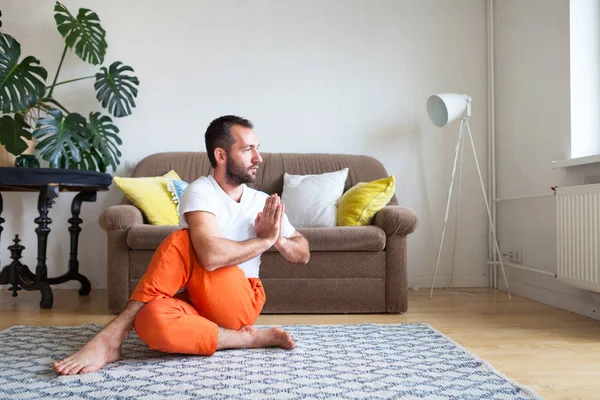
(220, 155)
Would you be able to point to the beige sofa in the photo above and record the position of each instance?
(351, 269)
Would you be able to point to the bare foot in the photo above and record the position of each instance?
(104, 348)
(101, 350)
(272, 337)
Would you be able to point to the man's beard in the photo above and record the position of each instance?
(236, 174)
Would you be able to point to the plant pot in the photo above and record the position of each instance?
(8, 160)
(27, 161)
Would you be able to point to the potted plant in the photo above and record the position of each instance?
(30, 111)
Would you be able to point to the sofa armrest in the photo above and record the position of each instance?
(396, 220)
(121, 217)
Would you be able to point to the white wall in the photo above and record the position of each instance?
(314, 76)
(533, 129)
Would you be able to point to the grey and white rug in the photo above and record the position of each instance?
(364, 361)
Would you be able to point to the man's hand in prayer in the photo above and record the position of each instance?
(269, 222)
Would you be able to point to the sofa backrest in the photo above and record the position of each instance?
(192, 165)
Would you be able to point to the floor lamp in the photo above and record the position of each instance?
(443, 109)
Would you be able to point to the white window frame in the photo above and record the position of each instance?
(584, 53)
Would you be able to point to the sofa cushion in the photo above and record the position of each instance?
(360, 203)
(150, 195)
(176, 187)
(148, 237)
(340, 238)
(311, 200)
(326, 265)
(344, 238)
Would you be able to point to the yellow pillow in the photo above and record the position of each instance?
(152, 197)
(361, 202)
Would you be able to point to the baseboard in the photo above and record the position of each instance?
(546, 290)
(423, 281)
(442, 281)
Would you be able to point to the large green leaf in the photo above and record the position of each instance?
(59, 137)
(21, 84)
(115, 89)
(91, 160)
(105, 140)
(12, 132)
(103, 150)
(83, 34)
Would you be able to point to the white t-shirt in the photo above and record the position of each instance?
(236, 220)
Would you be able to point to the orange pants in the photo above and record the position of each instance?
(188, 323)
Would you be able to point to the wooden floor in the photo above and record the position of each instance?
(553, 352)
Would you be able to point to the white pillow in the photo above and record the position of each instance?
(311, 200)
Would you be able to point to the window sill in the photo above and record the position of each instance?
(572, 162)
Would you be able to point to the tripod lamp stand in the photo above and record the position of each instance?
(443, 109)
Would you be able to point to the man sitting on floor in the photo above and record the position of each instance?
(201, 292)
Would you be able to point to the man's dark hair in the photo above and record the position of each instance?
(218, 134)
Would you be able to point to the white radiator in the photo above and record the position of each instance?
(578, 236)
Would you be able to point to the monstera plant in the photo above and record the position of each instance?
(30, 111)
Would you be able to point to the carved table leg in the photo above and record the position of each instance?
(75, 229)
(21, 277)
(45, 201)
(15, 253)
(18, 275)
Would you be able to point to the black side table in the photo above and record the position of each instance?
(49, 182)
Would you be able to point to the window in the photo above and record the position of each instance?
(585, 78)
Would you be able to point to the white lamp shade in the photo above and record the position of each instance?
(446, 107)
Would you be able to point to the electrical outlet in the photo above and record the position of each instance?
(514, 256)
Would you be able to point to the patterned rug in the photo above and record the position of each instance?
(364, 361)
